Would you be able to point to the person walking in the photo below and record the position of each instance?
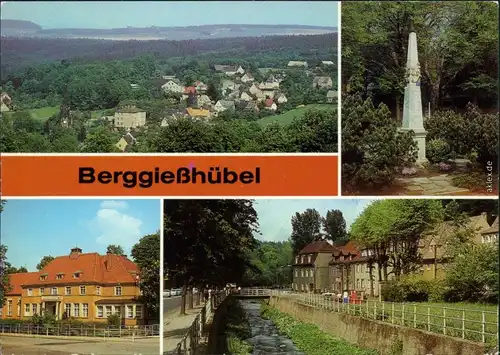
(346, 297)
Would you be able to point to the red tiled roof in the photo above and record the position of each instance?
(93, 268)
(189, 90)
(16, 280)
(320, 246)
(269, 102)
(352, 249)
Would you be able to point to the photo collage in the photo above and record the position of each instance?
(249, 178)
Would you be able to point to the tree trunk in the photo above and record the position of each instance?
(370, 265)
(183, 302)
(198, 297)
(385, 272)
(398, 109)
(190, 306)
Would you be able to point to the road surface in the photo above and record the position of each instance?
(171, 303)
(13, 345)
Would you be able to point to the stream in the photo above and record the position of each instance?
(265, 336)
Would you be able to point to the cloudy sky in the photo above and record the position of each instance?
(32, 229)
(115, 14)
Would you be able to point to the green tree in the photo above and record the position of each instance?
(44, 262)
(207, 242)
(5, 285)
(101, 140)
(146, 254)
(373, 147)
(335, 227)
(306, 228)
(115, 249)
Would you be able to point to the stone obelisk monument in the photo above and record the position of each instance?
(413, 118)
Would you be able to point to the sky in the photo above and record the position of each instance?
(119, 14)
(32, 229)
(275, 215)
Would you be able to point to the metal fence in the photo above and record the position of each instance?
(191, 340)
(138, 331)
(255, 292)
(465, 323)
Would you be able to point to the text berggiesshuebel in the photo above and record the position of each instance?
(182, 175)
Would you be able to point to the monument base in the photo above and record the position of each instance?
(419, 137)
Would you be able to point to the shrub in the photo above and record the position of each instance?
(410, 289)
(373, 147)
(438, 151)
(114, 320)
(471, 134)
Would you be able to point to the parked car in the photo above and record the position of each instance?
(167, 293)
(175, 292)
(328, 295)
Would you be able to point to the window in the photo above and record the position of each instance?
(59, 276)
(53, 291)
(76, 275)
(43, 277)
(85, 310)
(138, 311)
(309, 259)
(296, 260)
(109, 311)
(42, 291)
(34, 308)
(118, 310)
(9, 307)
(341, 258)
(362, 283)
(82, 290)
(27, 309)
(76, 310)
(296, 273)
(118, 291)
(67, 290)
(67, 309)
(98, 290)
(30, 292)
(100, 312)
(302, 272)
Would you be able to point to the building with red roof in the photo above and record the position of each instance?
(85, 286)
(310, 267)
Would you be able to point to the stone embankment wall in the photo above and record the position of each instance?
(377, 335)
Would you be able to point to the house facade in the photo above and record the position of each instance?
(85, 286)
(434, 247)
(173, 85)
(310, 267)
(129, 117)
(322, 82)
(490, 235)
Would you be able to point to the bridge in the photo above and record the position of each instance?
(252, 292)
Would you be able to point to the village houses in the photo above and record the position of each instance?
(223, 105)
(129, 117)
(297, 64)
(322, 82)
(331, 96)
(5, 102)
(126, 142)
(88, 287)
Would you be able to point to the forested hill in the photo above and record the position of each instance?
(21, 52)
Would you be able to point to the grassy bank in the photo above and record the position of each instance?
(309, 338)
(236, 330)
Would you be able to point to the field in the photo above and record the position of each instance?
(43, 113)
(287, 117)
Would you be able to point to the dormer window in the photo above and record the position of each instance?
(60, 276)
(309, 259)
(77, 274)
(43, 277)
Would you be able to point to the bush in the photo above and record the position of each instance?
(114, 320)
(438, 151)
(412, 289)
(473, 133)
(373, 147)
(44, 319)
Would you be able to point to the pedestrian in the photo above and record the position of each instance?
(346, 297)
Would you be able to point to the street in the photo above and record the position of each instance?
(171, 303)
(14, 345)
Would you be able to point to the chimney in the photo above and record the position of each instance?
(107, 261)
(75, 252)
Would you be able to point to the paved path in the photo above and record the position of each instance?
(434, 185)
(176, 326)
(170, 303)
(12, 345)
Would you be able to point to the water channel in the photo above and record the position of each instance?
(265, 335)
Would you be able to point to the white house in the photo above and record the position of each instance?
(223, 105)
(204, 100)
(247, 78)
(281, 99)
(294, 63)
(245, 97)
(172, 86)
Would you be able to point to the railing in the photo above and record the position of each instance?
(255, 292)
(94, 331)
(191, 339)
(471, 324)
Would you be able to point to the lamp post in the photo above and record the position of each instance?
(435, 247)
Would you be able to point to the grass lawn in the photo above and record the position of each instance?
(287, 117)
(462, 320)
(43, 113)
